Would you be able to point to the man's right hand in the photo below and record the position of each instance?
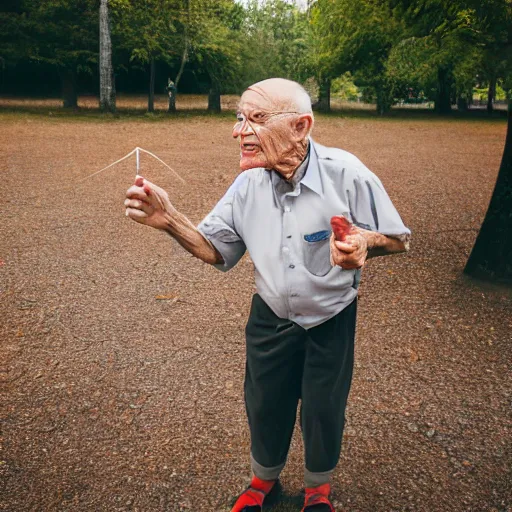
(148, 204)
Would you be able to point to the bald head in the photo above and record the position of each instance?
(284, 94)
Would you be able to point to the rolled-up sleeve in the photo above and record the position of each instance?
(219, 227)
(371, 208)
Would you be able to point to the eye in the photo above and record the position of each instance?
(258, 116)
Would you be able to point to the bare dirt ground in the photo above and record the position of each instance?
(123, 357)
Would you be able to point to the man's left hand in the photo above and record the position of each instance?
(352, 252)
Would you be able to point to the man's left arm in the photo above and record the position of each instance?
(362, 244)
(378, 229)
(382, 245)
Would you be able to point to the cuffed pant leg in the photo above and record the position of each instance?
(325, 387)
(275, 359)
(265, 473)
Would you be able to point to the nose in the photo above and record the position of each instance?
(242, 127)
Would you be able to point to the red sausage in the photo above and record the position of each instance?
(341, 227)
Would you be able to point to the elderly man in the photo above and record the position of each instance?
(300, 332)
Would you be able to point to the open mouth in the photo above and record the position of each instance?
(249, 148)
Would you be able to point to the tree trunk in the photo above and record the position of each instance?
(384, 99)
(107, 85)
(69, 93)
(151, 97)
(214, 99)
(462, 104)
(172, 102)
(443, 99)
(491, 94)
(324, 95)
(184, 60)
(491, 257)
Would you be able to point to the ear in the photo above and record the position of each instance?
(302, 126)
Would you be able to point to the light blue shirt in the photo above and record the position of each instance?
(286, 229)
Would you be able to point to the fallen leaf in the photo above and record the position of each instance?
(20, 333)
(413, 356)
(168, 296)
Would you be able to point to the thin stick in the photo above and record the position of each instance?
(105, 168)
(161, 161)
(137, 152)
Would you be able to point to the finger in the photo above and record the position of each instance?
(136, 214)
(350, 266)
(138, 205)
(345, 247)
(354, 239)
(139, 181)
(337, 257)
(135, 192)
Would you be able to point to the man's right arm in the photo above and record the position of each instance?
(149, 204)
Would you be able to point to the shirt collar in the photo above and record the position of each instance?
(312, 178)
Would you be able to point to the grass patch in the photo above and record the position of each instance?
(134, 108)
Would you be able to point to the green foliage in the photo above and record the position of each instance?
(14, 41)
(481, 93)
(147, 30)
(273, 38)
(356, 37)
(344, 88)
(214, 42)
(393, 49)
(62, 33)
(461, 41)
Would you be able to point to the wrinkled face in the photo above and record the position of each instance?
(272, 133)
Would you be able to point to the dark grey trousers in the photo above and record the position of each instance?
(285, 363)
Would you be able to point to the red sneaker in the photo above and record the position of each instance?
(317, 499)
(251, 500)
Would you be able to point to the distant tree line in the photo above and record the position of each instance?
(394, 50)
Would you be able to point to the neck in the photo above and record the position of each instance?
(292, 164)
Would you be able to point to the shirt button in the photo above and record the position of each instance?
(291, 266)
(287, 209)
(294, 295)
(289, 236)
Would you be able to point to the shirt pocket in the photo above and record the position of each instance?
(317, 253)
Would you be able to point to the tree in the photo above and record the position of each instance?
(495, 30)
(14, 41)
(442, 36)
(322, 55)
(357, 37)
(491, 257)
(184, 59)
(449, 45)
(107, 84)
(63, 34)
(274, 42)
(215, 47)
(149, 32)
